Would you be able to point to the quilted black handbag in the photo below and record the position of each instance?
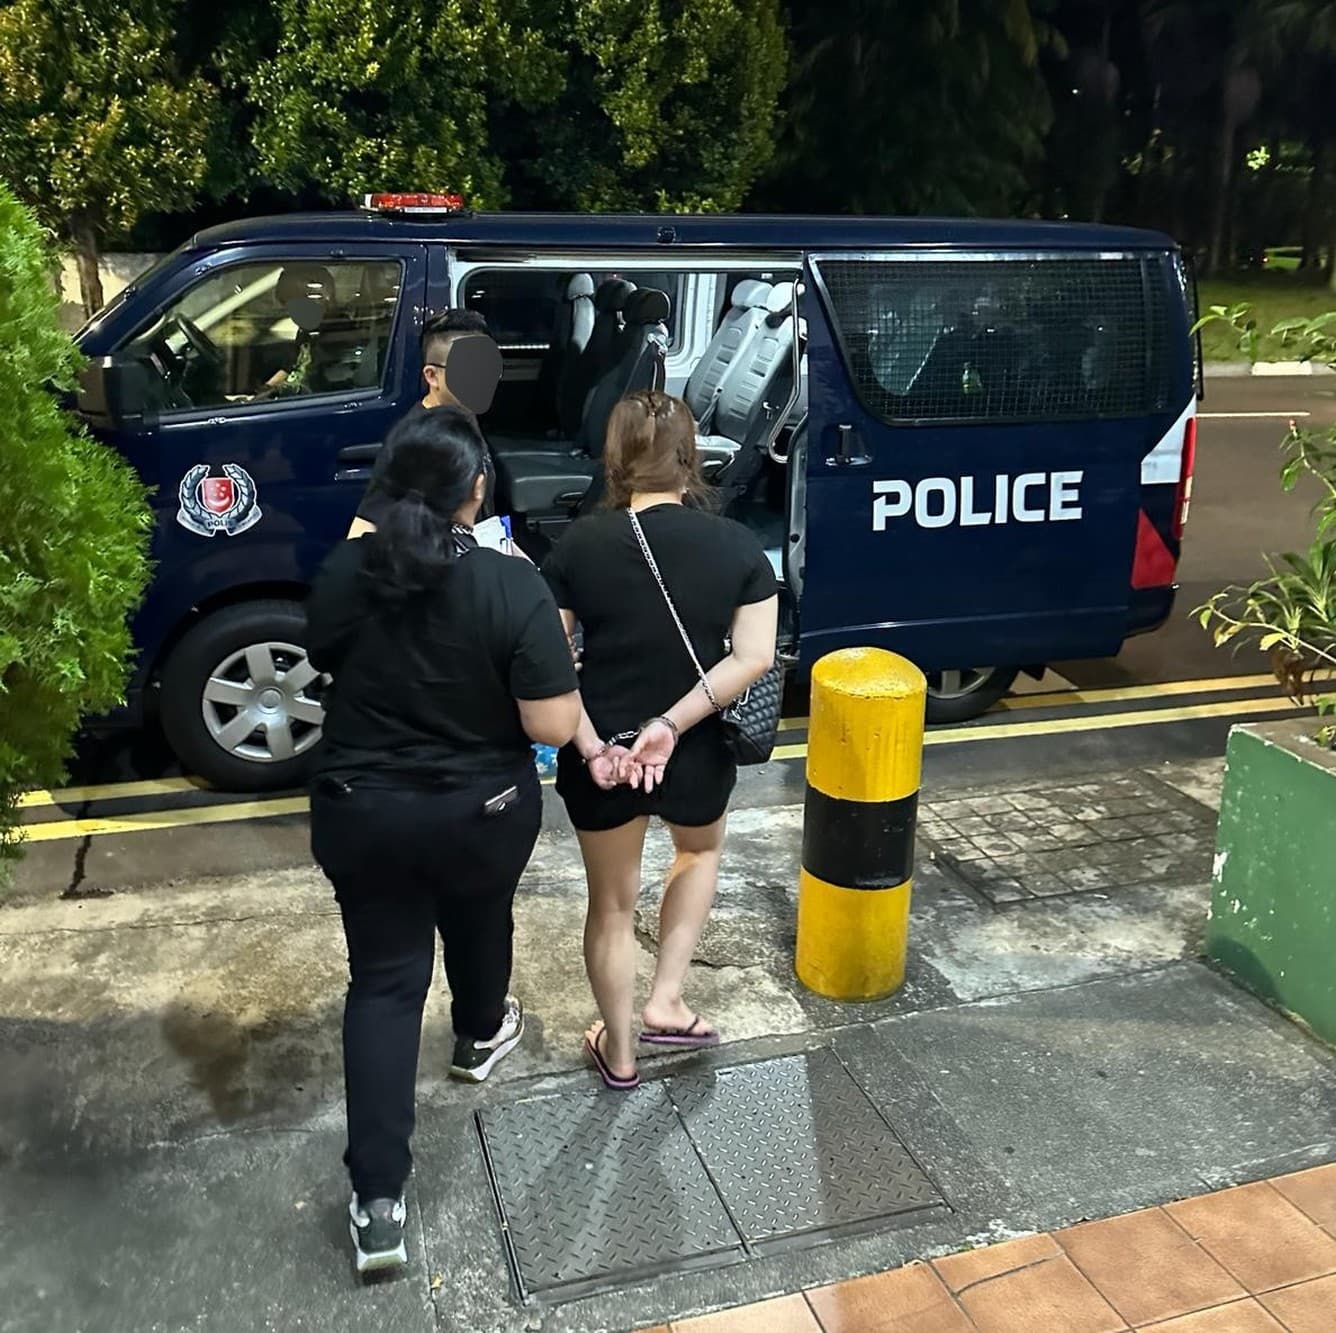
(751, 721)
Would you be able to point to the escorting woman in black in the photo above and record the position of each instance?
(448, 661)
(650, 741)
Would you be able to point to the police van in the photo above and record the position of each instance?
(970, 442)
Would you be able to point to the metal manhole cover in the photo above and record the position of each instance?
(1089, 837)
(797, 1149)
(599, 1191)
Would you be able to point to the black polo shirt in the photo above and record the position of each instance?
(425, 694)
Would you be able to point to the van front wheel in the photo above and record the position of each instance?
(957, 696)
(241, 704)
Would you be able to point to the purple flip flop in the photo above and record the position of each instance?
(687, 1038)
(610, 1080)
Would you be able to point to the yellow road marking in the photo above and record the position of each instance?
(158, 820)
(114, 791)
(1094, 722)
(1112, 695)
(155, 821)
(1124, 693)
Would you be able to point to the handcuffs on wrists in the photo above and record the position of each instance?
(630, 736)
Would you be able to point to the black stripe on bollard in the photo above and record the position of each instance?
(859, 844)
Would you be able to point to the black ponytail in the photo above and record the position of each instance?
(427, 471)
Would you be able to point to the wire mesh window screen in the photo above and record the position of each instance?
(1003, 340)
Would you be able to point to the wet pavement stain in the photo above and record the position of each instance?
(218, 1048)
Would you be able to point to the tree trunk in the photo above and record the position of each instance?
(1223, 196)
(1312, 215)
(84, 236)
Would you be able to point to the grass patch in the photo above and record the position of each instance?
(1273, 297)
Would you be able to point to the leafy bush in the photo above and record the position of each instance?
(1291, 612)
(74, 531)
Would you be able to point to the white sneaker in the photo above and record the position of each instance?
(474, 1060)
(378, 1234)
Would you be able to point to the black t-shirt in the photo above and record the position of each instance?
(425, 694)
(635, 664)
(374, 502)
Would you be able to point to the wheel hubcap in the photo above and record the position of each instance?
(956, 684)
(263, 703)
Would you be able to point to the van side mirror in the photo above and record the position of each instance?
(114, 392)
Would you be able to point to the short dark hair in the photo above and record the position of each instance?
(441, 327)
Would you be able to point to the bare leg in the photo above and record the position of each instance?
(612, 867)
(687, 900)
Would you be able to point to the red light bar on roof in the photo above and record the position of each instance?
(414, 203)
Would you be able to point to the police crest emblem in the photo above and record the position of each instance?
(210, 505)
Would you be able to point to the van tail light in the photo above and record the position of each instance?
(1153, 563)
(1183, 498)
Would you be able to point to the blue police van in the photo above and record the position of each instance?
(970, 442)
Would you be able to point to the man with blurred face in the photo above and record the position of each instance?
(461, 365)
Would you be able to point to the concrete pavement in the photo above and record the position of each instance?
(170, 1116)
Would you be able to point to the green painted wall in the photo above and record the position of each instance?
(1273, 898)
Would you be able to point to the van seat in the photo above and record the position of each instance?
(600, 353)
(573, 327)
(749, 397)
(533, 481)
(537, 480)
(643, 348)
(746, 313)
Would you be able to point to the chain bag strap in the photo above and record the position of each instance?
(751, 721)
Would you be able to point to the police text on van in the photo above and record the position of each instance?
(971, 502)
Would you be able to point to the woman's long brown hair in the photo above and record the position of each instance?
(651, 449)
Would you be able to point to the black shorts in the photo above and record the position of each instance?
(697, 787)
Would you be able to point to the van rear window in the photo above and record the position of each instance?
(1003, 339)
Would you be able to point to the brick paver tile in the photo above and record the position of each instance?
(789, 1314)
(1146, 1268)
(1308, 1308)
(1237, 1317)
(1314, 1192)
(1259, 1236)
(909, 1300)
(1047, 1295)
(959, 1271)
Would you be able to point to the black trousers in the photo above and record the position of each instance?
(407, 866)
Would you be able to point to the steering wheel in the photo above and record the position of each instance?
(200, 343)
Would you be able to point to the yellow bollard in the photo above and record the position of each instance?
(864, 758)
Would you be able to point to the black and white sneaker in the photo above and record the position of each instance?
(474, 1060)
(377, 1230)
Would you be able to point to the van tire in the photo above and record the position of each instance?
(196, 726)
(972, 701)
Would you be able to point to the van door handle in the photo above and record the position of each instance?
(850, 451)
(359, 453)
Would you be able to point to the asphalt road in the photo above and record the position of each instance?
(130, 818)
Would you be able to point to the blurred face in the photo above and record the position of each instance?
(463, 372)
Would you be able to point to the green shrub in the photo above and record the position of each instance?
(74, 532)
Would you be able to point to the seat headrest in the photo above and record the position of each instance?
(648, 306)
(612, 294)
(580, 285)
(781, 299)
(750, 294)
